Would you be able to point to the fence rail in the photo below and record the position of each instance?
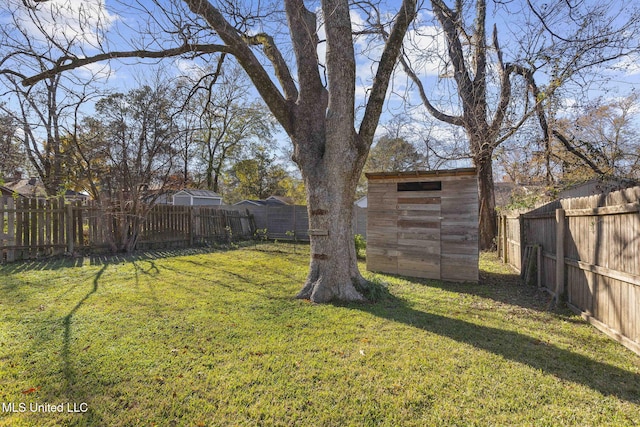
(585, 251)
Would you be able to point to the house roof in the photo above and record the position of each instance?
(75, 194)
(251, 202)
(32, 187)
(362, 202)
(596, 186)
(279, 199)
(6, 191)
(271, 200)
(205, 194)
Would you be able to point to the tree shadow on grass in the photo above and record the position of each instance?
(502, 287)
(548, 358)
(67, 369)
(76, 393)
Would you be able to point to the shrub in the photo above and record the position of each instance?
(361, 246)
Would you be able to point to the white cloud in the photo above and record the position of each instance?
(68, 22)
(630, 65)
(96, 71)
(189, 68)
(425, 47)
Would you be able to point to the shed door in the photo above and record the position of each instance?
(418, 228)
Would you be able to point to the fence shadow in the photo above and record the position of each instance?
(58, 262)
(566, 365)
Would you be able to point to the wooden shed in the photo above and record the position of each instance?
(424, 224)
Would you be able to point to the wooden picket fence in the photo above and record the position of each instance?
(32, 228)
(585, 251)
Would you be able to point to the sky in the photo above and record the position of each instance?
(115, 25)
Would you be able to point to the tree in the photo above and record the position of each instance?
(12, 155)
(228, 121)
(317, 113)
(45, 114)
(50, 108)
(256, 177)
(390, 153)
(127, 150)
(562, 39)
(606, 132)
(393, 154)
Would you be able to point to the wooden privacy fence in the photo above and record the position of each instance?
(585, 251)
(31, 228)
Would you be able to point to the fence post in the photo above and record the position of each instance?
(191, 223)
(503, 237)
(69, 221)
(523, 239)
(560, 231)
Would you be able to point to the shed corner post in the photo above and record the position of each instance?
(560, 263)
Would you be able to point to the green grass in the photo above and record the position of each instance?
(215, 338)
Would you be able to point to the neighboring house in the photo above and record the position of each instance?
(158, 197)
(269, 201)
(360, 216)
(506, 192)
(31, 188)
(191, 197)
(71, 195)
(6, 191)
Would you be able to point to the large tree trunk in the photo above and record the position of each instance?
(333, 269)
(487, 221)
(331, 179)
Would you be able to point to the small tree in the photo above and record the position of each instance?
(126, 151)
(12, 158)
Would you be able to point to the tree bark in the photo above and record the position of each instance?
(333, 269)
(331, 184)
(487, 227)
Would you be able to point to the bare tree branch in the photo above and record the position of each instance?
(280, 66)
(71, 63)
(388, 60)
(542, 119)
(454, 120)
(279, 106)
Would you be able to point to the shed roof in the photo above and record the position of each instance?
(421, 174)
(199, 193)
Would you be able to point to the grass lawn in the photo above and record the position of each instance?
(204, 338)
